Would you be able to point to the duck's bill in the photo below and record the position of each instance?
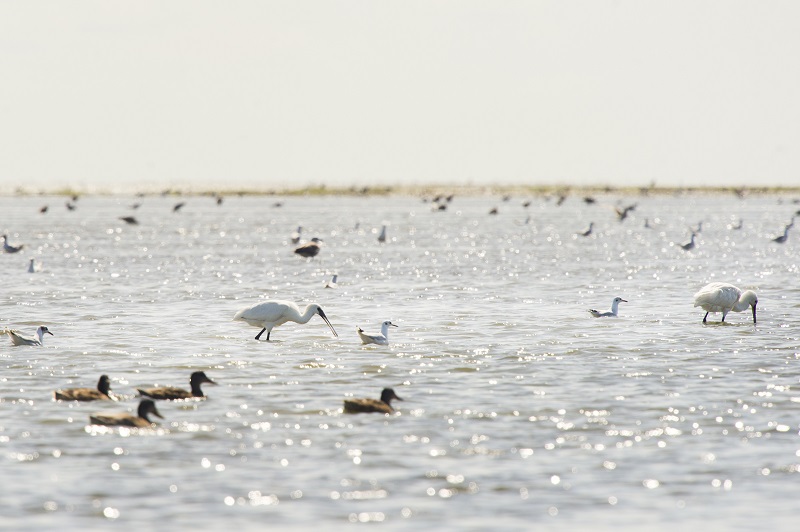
(324, 317)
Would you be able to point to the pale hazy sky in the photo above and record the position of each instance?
(266, 94)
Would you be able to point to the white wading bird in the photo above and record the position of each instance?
(724, 297)
(380, 339)
(271, 314)
(609, 313)
(18, 339)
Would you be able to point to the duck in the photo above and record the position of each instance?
(18, 339)
(172, 393)
(101, 393)
(382, 405)
(381, 339)
(8, 248)
(609, 313)
(126, 419)
(309, 250)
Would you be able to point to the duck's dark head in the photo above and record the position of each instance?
(388, 394)
(104, 384)
(147, 407)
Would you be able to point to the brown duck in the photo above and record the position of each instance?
(171, 393)
(357, 406)
(100, 393)
(125, 419)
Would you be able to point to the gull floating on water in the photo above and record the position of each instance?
(172, 393)
(383, 406)
(34, 266)
(724, 297)
(124, 419)
(296, 235)
(588, 231)
(101, 393)
(381, 339)
(8, 248)
(130, 220)
(18, 339)
(332, 282)
(609, 313)
(382, 236)
(271, 314)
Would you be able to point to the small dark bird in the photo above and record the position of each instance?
(8, 248)
(383, 406)
(124, 419)
(689, 245)
(219, 200)
(178, 206)
(70, 206)
(172, 393)
(101, 393)
(43, 209)
(623, 213)
(588, 231)
(526, 203)
(129, 220)
(589, 200)
(561, 200)
(311, 249)
(493, 211)
(136, 206)
(785, 236)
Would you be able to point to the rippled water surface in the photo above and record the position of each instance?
(521, 411)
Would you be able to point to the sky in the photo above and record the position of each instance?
(112, 95)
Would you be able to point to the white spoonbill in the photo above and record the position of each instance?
(271, 314)
(18, 339)
(609, 313)
(724, 297)
(381, 339)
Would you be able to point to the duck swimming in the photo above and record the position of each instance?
(100, 393)
(383, 406)
(172, 393)
(125, 419)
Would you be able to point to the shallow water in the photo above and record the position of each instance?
(521, 410)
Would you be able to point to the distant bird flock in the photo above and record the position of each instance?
(716, 297)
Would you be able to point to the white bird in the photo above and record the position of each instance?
(380, 339)
(737, 226)
(332, 282)
(33, 266)
(271, 314)
(382, 236)
(690, 245)
(724, 297)
(8, 248)
(18, 339)
(296, 235)
(609, 313)
(588, 231)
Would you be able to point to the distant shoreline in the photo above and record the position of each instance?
(416, 190)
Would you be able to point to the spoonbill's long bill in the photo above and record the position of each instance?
(724, 297)
(271, 314)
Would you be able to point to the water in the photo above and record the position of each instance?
(521, 411)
